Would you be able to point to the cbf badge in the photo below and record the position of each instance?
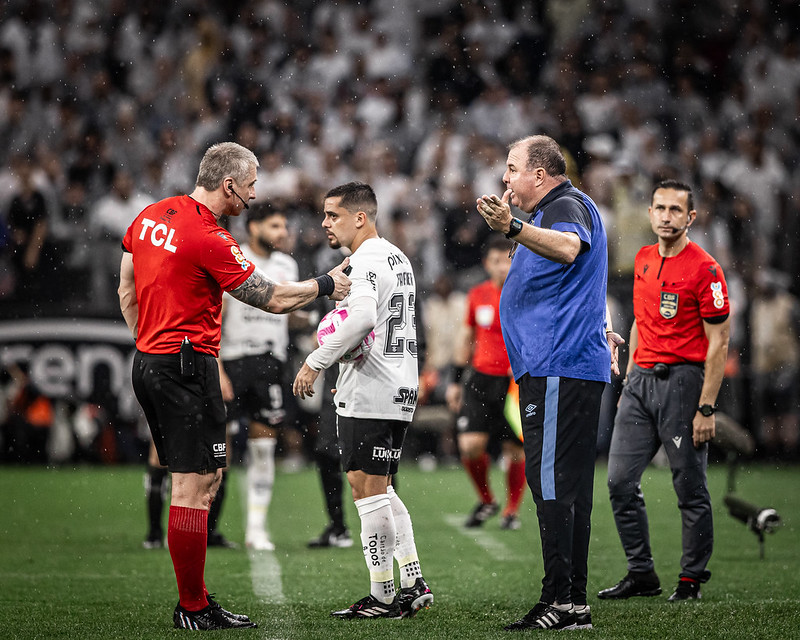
(669, 305)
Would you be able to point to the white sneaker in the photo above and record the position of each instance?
(258, 541)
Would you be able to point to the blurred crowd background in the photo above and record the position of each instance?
(106, 106)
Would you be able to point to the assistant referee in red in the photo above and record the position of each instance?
(177, 262)
(679, 342)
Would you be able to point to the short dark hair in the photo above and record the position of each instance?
(677, 185)
(356, 196)
(543, 152)
(496, 243)
(262, 211)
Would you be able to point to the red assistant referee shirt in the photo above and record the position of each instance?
(182, 262)
(483, 315)
(671, 298)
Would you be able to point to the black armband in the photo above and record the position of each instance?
(458, 372)
(325, 284)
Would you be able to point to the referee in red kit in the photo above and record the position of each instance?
(177, 262)
(679, 342)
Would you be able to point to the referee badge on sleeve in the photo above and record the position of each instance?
(669, 305)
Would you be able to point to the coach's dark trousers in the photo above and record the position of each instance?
(559, 426)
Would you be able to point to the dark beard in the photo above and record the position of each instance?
(265, 245)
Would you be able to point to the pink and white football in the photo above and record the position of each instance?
(330, 323)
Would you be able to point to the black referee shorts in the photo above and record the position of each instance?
(186, 415)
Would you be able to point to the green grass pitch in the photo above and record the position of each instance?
(72, 565)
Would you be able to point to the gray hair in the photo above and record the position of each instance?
(225, 159)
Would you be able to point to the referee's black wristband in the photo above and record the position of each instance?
(325, 284)
(458, 372)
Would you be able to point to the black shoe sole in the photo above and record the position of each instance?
(639, 594)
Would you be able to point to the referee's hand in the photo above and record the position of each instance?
(341, 283)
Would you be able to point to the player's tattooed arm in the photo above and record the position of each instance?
(256, 291)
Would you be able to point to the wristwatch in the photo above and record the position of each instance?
(515, 228)
(707, 409)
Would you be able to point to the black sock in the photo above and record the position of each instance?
(330, 474)
(216, 507)
(154, 489)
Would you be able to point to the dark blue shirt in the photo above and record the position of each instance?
(553, 315)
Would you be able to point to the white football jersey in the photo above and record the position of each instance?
(247, 331)
(385, 383)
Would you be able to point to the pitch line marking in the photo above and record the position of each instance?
(265, 570)
(483, 539)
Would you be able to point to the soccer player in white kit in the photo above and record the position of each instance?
(375, 398)
(253, 354)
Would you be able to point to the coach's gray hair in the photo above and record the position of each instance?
(225, 159)
(543, 152)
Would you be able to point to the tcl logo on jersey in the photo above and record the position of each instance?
(160, 234)
(406, 397)
(719, 297)
(237, 253)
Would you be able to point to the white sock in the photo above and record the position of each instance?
(562, 607)
(260, 478)
(405, 551)
(378, 536)
(583, 608)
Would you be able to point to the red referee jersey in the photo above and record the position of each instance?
(483, 315)
(182, 262)
(671, 298)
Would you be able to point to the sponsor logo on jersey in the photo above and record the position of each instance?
(677, 440)
(219, 449)
(160, 234)
(395, 259)
(530, 410)
(669, 305)
(237, 253)
(372, 278)
(484, 315)
(407, 398)
(719, 297)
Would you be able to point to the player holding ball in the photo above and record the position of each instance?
(375, 397)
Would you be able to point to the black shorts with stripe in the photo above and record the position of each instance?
(186, 415)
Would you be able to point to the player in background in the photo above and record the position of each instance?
(252, 361)
(375, 398)
(480, 400)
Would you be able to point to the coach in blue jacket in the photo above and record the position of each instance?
(553, 314)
